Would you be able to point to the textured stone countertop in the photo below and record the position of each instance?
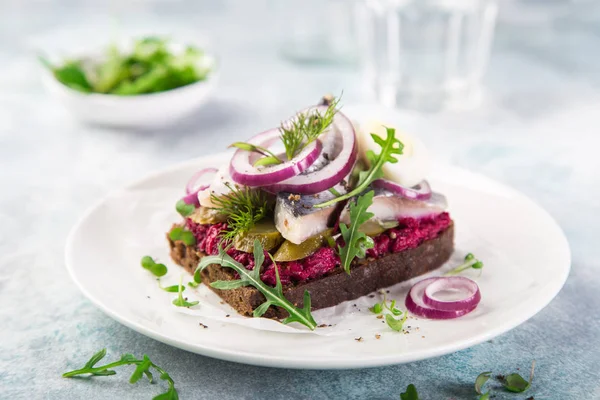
(538, 130)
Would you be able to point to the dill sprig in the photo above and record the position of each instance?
(244, 207)
(305, 129)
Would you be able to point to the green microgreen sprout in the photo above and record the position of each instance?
(390, 148)
(470, 262)
(179, 233)
(393, 323)
(180, 301)
(183, 208)
(516, 383)
(244, 207)
(396, 324)
(143, 367)
(481, 380)
(170, 289)
(410, 394)
(155, 268)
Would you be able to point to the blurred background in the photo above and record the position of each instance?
(483, 82)
(508, 88)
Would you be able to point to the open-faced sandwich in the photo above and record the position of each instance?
(328, 210)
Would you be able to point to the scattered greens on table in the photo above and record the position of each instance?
(143, 367)
(410, 394)
(149, 67)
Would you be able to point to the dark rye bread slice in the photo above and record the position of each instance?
(367, 276)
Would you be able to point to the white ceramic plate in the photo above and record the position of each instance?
(526, 259)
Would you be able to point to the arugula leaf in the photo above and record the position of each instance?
(180, 301)
(481, 380)
(143, 367)
(396, 324)
(156, 269)
(183, 208)
(485, 396)
(274, 296)
(140, 370)
(95, 358)
(390, 147)
(410, 394)
(356, 242)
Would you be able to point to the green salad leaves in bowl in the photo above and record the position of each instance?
(150, 82)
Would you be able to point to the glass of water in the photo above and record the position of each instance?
(425, 54)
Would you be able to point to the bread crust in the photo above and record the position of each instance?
(367, 276)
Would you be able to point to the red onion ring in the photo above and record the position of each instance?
(421, 191)
(466, 285)
(243, 172)
(415, 303)
(191, 193)
(332, 173)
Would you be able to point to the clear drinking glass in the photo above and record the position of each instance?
(426, 54)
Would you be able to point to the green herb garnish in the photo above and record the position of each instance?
(395, 324)
(481, 380)
(155, 268)
(274, 295)
(389, 147)
(151, 67)
(180, 301)
(410, 394)
(356, 243)
(378, 308)
(143, 367)
(516, 383)
(244, 207)
(470, 262)
(178, 233)
(304, 129)
(183, 208)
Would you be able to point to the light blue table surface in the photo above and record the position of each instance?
(537, 131)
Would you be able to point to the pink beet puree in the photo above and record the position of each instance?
(409, 234)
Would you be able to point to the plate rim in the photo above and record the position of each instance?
(277, 361)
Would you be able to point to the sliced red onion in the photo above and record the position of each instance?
(466, 286)
(415, 303)
(191, 191)
(422, 191)
(333, 172)
(243, 171)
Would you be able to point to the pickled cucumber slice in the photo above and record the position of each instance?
(290, 251)
(207, 216)
(265, 232)
(374, 228)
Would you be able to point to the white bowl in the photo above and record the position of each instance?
(141, 111)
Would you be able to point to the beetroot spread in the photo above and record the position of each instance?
(409, 234)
